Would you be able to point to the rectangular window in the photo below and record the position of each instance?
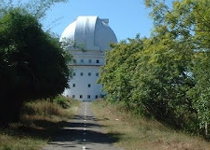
(73, 96)
(80, 96)
(97, 74)
(89, 73)
(89, 85)
(97, 61)
(88, 96)
(90, 61)
(81, 74)
(82, 60)
(74, 74)
(96, 96)
(74, 85)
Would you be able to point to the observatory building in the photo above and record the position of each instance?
(87, 39)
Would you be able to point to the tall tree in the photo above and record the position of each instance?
(116, 75)
(32, 65)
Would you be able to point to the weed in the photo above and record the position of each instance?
(137, 133)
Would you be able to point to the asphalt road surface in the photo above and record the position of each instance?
(82, 133)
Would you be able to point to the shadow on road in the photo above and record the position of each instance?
(63, 133)
(74, 131)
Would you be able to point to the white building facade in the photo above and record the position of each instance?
(87, 39)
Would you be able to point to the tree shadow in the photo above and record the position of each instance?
(81, 117)
(74, 132)
(76, 136)
(79, 124)
(41, 129)
(91, 118)
(64, 134)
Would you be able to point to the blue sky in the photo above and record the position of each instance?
(126, 17)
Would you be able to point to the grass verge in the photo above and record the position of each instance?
(40, 120)
(142, 134)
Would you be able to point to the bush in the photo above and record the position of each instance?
(43, 108)
(62, 101)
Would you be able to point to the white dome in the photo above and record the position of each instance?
(89, 33)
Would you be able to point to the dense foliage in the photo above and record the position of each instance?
(167, 75)
(32, 63)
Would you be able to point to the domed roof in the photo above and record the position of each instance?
(89, 33)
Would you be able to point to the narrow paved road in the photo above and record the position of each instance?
(82, 133)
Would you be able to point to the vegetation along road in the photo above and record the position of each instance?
(83, 132)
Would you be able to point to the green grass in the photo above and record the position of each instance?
(39, 122)
(142, 134)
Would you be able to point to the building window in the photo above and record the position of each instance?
(81, 74)
(89, 85)
(97, 61)
(74, 74)
(74, 85)
(82, 60)
(88, 96)
(97, 74)
(96, 96)
(80, 96)
(89, 73)
(73, 96)
(90, 61)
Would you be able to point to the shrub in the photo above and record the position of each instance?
(62, 101)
